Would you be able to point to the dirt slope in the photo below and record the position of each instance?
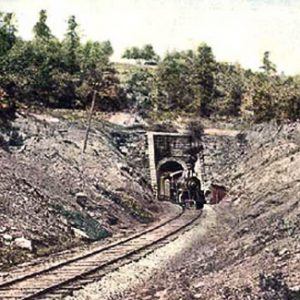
(53, 197)
(260, 254)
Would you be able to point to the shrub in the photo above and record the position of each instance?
(165, 126)
(195, 129)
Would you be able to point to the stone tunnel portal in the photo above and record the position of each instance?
(167, 175)
(169, 156)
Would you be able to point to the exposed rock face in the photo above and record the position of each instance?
(80, 234)
(82, 199)
(133, 144)
(221, 152)
(23, 243)
(7, 237)
(3, 229)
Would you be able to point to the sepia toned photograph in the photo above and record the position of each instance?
(150, 149)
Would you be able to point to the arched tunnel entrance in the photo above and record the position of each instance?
(168, 173)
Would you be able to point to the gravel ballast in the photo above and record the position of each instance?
(136, 274)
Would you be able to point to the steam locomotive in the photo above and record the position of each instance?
(189, 193)
(184, 188)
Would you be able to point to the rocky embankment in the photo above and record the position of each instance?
(255, 253)
(53, 196)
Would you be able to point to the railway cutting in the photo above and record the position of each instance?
(68, 275)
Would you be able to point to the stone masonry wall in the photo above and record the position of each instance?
(220, 151)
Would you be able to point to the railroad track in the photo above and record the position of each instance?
(61, 278)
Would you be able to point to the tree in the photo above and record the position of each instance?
(140, 89)
(107, 48)
(7, 32)
(173, 83)
(145, 53)
(268, 67)
(287, 94)
(229, 85)
(132, 53)
(41, 29)
(71, 44)
(47, 60)
(95, 54)
(263, 103)
(203, 69)
(148, 53)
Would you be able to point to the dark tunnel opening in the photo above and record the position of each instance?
(168, 174)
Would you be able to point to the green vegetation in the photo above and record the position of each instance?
(47, 72)
(130, 204)
(84, 222)
(193, 83)
(136, 210)
(145, 53)
(51, 73)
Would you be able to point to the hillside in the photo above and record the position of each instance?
(260, 250)
(53, 197)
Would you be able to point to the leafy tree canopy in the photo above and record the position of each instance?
(41, 29)
(145, 53)
(7, 32)
(268, 67)
(53, 73)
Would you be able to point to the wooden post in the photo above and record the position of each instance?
(89, 122)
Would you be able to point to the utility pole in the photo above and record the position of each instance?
(89, 121)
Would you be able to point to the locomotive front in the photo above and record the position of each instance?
(189, 193)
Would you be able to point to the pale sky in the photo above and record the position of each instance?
(237, 30)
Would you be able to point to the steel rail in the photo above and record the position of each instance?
(76, 268)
